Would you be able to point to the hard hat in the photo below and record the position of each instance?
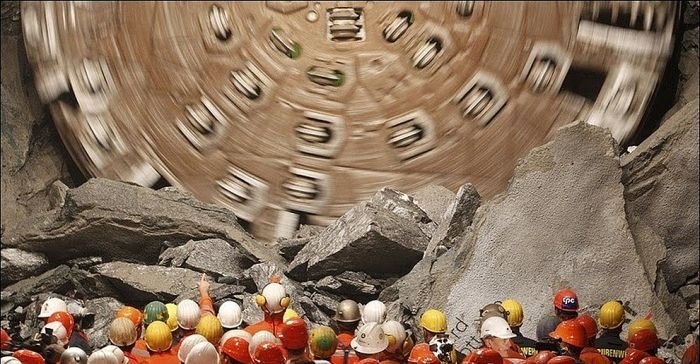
(289, 314)
(155, 311)
(230, 315)
(443, 348)
(493, 310)
(122, 332)
(514, 312)
(634, 356)
(65, 318)
(158, 336)
(428, 359)
(203, 353)
(188, 314)
(484, 356)
(562, 359)
(323, 342)
(52, 305)
(74, 355)
(102, 357)
(118, 353)
(187, 344)
(542, 357)
(273, 299)
(5, 339)
(570, 332)
(589, 325)
(434, 321)
(395, 334)
(210, 327)
(59, 331)
(566, 300)
(612, 314)
(368, 361)
(28, 357)
(245, 335)
(133, 314)
(268, 353)
(260, 337)
(496, 326)
(420, 351)
(652, 360)
(546, 325)
(237, 349)
(644, 340)
(374, 311)
(9, 360)
(172, 316)
(370, 339)
(347, 311)
(294, 335)
(638, 325)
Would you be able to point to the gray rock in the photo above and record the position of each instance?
(357, 284)
(308, 231)
(17, 265)
(214, 256)
(124, 221)
(84, 262)
(57, 194)
(140, 284)
(404, 206)
(328, 284)
(289, 248)
(456, 220)
(249, 309)
(104, 309)
(434, 200)
(369, 238)
(690, 293)
(326, 302)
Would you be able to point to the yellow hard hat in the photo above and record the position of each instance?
(158, 337)
(514, 312)
(639, 325)
(210, 327)
(612, 314)
(172, 316)
(289, 314)
(434, 321)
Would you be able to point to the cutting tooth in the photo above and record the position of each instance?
(596, 10)
(660, 17)
(614, 11)
(634, 11)
(648, 16)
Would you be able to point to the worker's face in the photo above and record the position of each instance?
(499, 345)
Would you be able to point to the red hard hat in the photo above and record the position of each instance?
(428, 359)
(483, 356)
(562, 359)
(5, 339)
(589, 325)
(633, 356)
(294, 335)
(64, 318)
(651, 360)
(644, 340)
(566, 300)
(543, 357)
(28, 357)
(570, 332)
(368, 361)
(268, 353)
(237, 348)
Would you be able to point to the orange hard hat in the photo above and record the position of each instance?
(5, 339)
(428, 359)
(543, 357)
(589, 325)
(644, 340)
(268, 353)
(237, 349)
(570, 332)
(419, 351)
(28, 357)
(562, 359)
(633, 356)
(483, 356)
(64, 318)
(132, 313)
(293, 334)
(566, 300)
(651, 360)
(368, 361)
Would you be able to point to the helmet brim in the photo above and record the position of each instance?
(365, 349)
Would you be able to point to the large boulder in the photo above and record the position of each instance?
(434, 200)
(214, 256)
(104, 309)
(17, 265)
(129, 222)
(456, 220)
(383, 237)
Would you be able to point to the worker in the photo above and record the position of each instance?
(159, 340)
(268, 353)
(273, 301)
(347, 317)
(187, 344)
(433, 322)
(210, 327)
(261, 337)
(28, 357)
(203, 353)
(295, 339)
(187, 316)
(638, 325)
(118, 353)
(644, 340)
(443, 348)
(245, 335)
(172, 319)
(515, 316)
(566, 304)
(483, 356)
(692, 355)
(572, 340)
(370, 341)
(102, 357)
(52, 353)
(374, 311)
(589, 354)
(134, 315)
(74, 356)
(231, 316)
(323, 343)
(422, 353)
(609, 343)
(122, 334)
(58, 331)
(396, 335)
(542, 357)
(235, 351)
(496, 335)
(51, 306)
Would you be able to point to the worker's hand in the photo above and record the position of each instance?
(204, 284)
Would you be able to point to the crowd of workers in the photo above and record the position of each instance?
(193, 333)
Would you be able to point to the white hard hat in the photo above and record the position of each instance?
(203, 353)
(52, 305)
(245, 335)
(397, 331)
(187, 344)
(230, 315)
(74, 355)
(370, 339)
(10, 360)
(261, 337)
(496, 326)
(102, 357)
(188, 314)
(374, 311)
(121, 358)
(59, 331)
(274, 294)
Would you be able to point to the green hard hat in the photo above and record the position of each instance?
(155, 311)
